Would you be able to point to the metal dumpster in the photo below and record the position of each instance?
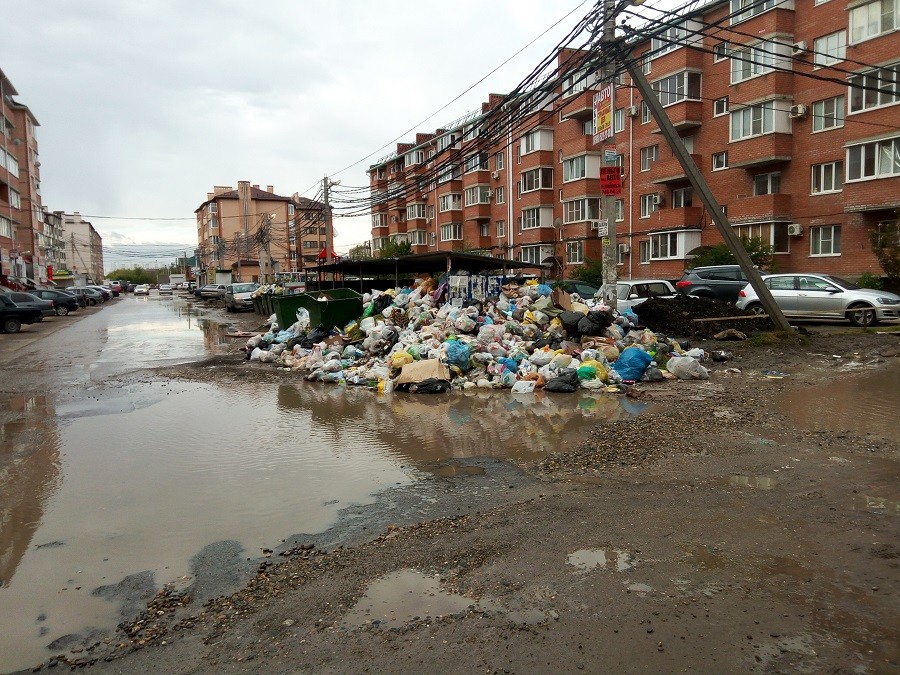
(340, 307)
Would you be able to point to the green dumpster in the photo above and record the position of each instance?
(257, 304)
(340, 307)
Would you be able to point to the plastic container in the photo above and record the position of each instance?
(342, 307)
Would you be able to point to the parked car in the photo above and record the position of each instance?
(12, 316)
(723, 282)
(22, 299)
(63, 302)
(117, 287)
(632, 292)
(165, 289)
(104, 292)
(142, 289)
(239, 296)
(90, 295)
(213, 292)
(823, 296)
(585, 290)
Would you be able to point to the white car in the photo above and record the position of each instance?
(142, 289)
(165, 289)
(632, 292)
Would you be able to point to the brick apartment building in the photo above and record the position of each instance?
(82, 251)
(810, 164)
(229, 224)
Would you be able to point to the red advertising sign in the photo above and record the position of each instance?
(610, 181)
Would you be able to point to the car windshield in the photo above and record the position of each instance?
(843, 283)
(243, 288)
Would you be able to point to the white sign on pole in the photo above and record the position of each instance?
(602, 227)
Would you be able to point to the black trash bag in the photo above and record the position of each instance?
(314, 336)
(605, 319)
(430, 386)
(652, 374)
(570, 322)
(595, 323)
(519, 314)
(390, 336)
(474, 303)
(381, 303)
(540, 343)
(565, 382)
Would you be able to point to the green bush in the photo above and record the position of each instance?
(760, 253)
(869, 280)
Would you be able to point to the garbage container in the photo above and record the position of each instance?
(257, 304)
(340, 307)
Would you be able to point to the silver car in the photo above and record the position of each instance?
(632, 292)
(823, 296)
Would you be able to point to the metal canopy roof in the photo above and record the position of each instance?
(437, 262)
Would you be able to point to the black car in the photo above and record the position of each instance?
(12, 316)
(63, 302)
(22, 299)
(584, 289)
(723, 282)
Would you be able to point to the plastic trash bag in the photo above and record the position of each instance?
(303, 319)
(541, 357)
(457, 354)
(632, 363)
(565, 382)
(687, 368)
(430, 386)
(523, 387)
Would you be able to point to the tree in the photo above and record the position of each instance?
(760, 253)
(885, 242)
(590, 272)
(394, 249)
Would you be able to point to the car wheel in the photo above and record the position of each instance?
(93, 302)
(11, 325)
(756, 308)
(862, 316)
(62, 310)
(228, 308)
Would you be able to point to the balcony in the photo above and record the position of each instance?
(677, 60)
(580, 107)
(870, 195)
(666, 219)
(758, 151)
(477, 212)
(684, 115)
(670, 170)
(762, 207)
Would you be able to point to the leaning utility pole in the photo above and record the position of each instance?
(709, 200)
(607, 97)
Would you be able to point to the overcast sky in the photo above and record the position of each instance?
(144, 106)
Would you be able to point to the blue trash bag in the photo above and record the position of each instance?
(632, 363)
(544, 290)
(511, 364)
(457, 354)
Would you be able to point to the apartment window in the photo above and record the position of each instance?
(500, 195)
(682, 197)
(212, 208)
(670, 39)
(825, 240)
(720, 51)
(539, 216)
(429, 213)
(720, 106)
(620, 210)
(498, 161)
(500, 229)
(830, 49)
(450, 202)
(483, 229)
(752, 61)
(575, 252)
(646, 63)
(451, 232)
(537, 179)
(873, 19)
(587, 127)
(648, 156)
(292, 240)
(677, 88)
(828, 114)
(719, 161)
(446, 141)
(432, 239)
(772, 234)
(480, 194)
(827, 177)
(414, 211)
(310, 244)
(476, 162)
(741, 10)
(539, 139)
(649, 204)
(415, 157)
(664, 246)
(645, 113)
(531, 254)
(619, 120)
(767, 183)
(213, 223)
(879, 159)
(875, 88)
(644, 252)
(471, 132)
(574, 169)
(14, 199)
(576, 82)
(5, 227)
(418, 237)
(579, 210)
(753, 120)
(448, 173)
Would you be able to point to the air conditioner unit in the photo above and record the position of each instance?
(798, 48)
(624, 248)
(595, 224)
(795, 229)
(495, 175)
(428, 221)
(798, 111)
(656, 200)
(633, 111)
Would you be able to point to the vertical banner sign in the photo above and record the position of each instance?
(610, 181)
(603, 113)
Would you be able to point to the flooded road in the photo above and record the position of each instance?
(122, 475)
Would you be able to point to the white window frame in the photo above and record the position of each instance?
(619, 120)
(541, 174)
(498, 161)
(535, 217)
(876, 159)
(477, 194)
(620, 210)
(720, 106)
(476, 162)
(575, 252)
(499, 195)
(664, 240)
(212, 208)
(574, 168)
(379, 220)
(534, 141)
(414, 211)
(684, 86)
(500, 229)
(648, 205)
(649, 155)
(682, 197)
(760, 118)
(451, 232)
(755, 60)
(15, 200)
(751, 8)
(817, 241)
(869, 97)
(644, 252)
(721, 51)
(451, 201)
(418, 237)
(5, 227)
(581, 210)
(448, 173)
(868, 21)
(830, 49)
(767, 183)
(826, 178)
(828, 114)
(646, 116)
(720, 160)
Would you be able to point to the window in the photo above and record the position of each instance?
(619, 120)
(471, 132)
(720, 106)
(575, 252)
(720, 51)
(645, 113)
(771, 234)
(500, 229)
(499, 195)
(432, 239)
(825, 240)
(415, 157)
(587, 127)
(540, 216)
(875, 88)
(753, 120)
(14, 199)
(429, 213)
(418, 237)
(873, 19)
(752, 61)
(480, 194)
(498, 161)
(574, 169)
(677, 88)
(483, 229)
(448, 173)
(5, 227)
(446, 141)
(663, 246)
(213, 223)
(828, 114)
(414, 211)
(767, 183)
(827, 177)
(644, 251)
(449, 202)
(742, 10)
(620, 210)
(878, 159)
(719, 161)
(212, 208)
(830, 49)
(646, 63)
(537, 179)
(576, 82)
(682, 197)
(476, 162)
(649, 204)
(579, 210)
(531, 254)
(540, 139)
(451, 232)
(648, 156)
(669, 39)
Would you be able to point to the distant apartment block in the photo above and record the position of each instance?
(82, 249)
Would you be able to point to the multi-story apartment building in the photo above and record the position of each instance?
(788, 107)
(23, 245)
(309, 234)
(82, 250)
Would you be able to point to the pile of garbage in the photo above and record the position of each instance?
(522, 340)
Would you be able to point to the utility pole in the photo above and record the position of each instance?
(709, 201)
(329, 237)
(608, 202)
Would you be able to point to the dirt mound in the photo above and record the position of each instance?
(678, 316)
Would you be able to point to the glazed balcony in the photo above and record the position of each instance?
(760, 207)
(758, 151)
(665, 218)
(684, 115)
(670, 170)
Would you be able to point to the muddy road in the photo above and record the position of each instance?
(232, 519)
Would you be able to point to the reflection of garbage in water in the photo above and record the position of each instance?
(588, 559)
(760, 482)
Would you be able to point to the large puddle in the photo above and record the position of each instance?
(118, 481)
